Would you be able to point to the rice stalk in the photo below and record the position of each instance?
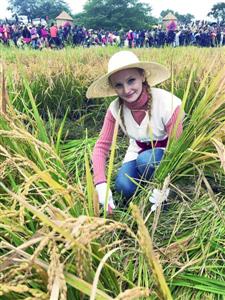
(203, 82)
(147, 248)
(59, 134)
(42, 132)
(71, 279)
(79, 242)
(159, 205)
(212, 196)
(98, 271)
(220, 150)
(135, 293)
(56, 282)
(20, 289)
(200, 283)
(4, 97)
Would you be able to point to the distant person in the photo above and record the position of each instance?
(53, 35)
(130, 38)
(34, 37)
(44, 35)
(26, 35)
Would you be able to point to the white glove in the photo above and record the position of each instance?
(101, 189)
(158, 196)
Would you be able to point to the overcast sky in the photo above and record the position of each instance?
(198, 8)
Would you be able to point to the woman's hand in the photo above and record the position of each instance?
(157, 197)
(101, 189)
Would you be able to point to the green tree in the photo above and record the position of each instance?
(39, 8)
(116, 14)
(184, 19)
(218, 12)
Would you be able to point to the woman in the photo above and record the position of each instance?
(147, 115)
(26, 35)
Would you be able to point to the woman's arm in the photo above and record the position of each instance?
(174, 123)
(102, 147)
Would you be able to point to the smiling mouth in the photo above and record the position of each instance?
(129, 96)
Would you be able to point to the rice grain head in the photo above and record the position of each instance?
(135, 293)
(146, 245)
(56, 280)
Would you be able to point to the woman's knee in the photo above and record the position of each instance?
(125, 186)
(148, 160)
(125, 180)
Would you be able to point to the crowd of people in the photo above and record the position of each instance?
(200, 34)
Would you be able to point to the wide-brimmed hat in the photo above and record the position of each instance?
(154, 73)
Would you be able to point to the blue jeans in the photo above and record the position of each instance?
(34, 43)
(141, 168)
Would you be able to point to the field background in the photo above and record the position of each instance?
(54, 241)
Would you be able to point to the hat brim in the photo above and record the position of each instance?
(155, 73)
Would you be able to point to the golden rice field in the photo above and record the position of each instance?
(55, 240)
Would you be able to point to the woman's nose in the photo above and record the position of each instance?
(126, 88)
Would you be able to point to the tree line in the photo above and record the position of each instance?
(107, 14)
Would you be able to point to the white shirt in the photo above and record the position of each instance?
(164, 104)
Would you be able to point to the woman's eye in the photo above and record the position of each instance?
(118, 86)
(131, 80)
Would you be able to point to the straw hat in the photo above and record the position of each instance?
(154, 72)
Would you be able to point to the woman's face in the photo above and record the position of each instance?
(128, 84)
